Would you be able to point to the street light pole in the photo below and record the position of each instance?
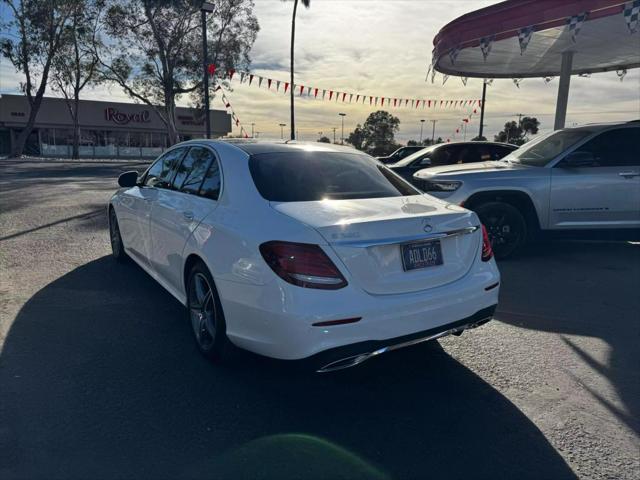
(282, 125)
(342, 135)
(206, 7)
(433, 131)
(421, 127)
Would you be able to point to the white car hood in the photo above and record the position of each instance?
(493, 166)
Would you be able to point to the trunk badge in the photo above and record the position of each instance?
(426, 226)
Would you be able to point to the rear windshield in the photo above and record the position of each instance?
(303, 176)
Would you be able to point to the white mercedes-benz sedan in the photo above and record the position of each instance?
(302, 251)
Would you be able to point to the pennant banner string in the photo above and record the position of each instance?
(345, 97)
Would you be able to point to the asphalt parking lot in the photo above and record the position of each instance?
(99, 376)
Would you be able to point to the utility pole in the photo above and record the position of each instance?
(282, 125)
(484, 96)
(206, 7)
(421, 127)
(342, 135)
(433, 131)
(334, 134)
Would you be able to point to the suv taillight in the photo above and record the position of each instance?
(487, 251)
(302, 264)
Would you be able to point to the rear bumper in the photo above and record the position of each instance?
(354, 354)
(277, 320)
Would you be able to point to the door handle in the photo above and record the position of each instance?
(629, 174)
(187, 215)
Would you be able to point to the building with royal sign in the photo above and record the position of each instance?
(107, 129)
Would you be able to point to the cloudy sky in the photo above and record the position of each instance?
(382, 48)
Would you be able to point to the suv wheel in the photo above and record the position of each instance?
(506, 227)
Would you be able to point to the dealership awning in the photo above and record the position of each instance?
(541, 38)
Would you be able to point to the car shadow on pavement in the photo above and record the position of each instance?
(588, 289)
(100, 379)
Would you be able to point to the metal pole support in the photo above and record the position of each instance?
(563, 90)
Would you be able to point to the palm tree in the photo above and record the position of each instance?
(306, 3)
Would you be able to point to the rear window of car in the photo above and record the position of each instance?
(303, 176)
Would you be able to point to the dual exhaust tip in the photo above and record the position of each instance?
(354, 360)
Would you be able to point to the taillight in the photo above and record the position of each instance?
(487, 251)
(302, 264)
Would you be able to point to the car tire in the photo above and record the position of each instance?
(506, 227)
(117, 247)
(206, 317)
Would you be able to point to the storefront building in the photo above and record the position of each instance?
(107, 129)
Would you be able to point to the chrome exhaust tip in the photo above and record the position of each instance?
(343, 363)
(354, 360)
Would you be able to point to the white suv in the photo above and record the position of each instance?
(582, 178)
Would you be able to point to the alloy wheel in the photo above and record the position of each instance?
(202, 311)
(114, 234)
(504, 232)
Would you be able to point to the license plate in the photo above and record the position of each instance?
(421, 255)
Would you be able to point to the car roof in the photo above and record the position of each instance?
(593, 127)
(478, 142)
(255, 147)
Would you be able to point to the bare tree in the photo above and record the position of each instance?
(154, 56)
(75, 64)
(39, 26)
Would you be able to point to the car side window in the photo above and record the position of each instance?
(211, 185)
(468, 154)
(160, 173)
(501, 152)
(192, 170)
(423, 161)
(614, 148)
(441, 156)
(494, 152)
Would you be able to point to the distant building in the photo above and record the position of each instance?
(107, 129)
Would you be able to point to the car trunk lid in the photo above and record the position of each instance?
(367, 235)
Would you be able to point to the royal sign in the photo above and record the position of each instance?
(122, 118)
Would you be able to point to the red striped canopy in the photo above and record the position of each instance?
(603, 42)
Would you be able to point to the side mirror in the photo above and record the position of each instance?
(579, 159)
(128, 179)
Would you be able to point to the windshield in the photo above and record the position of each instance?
(309, 176)
(539, 152)
(413, 157)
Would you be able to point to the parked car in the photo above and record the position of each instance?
(583, 178)
(302, 251)
(400, 153)
(449, 154)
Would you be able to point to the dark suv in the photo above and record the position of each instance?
(450, 154)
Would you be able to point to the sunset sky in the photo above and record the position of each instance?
(382, 48)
